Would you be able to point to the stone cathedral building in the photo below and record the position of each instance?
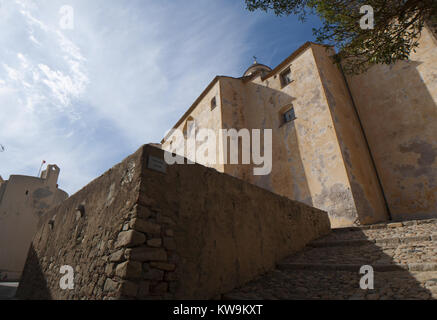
(363, 148)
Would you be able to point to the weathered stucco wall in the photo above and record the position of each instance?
(203, 117)
(233, 112)
(322, 158)
(190, 233)
(397, 107)
(367, 193)
(307, 160)
(23, 200)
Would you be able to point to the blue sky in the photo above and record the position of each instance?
(88, 97)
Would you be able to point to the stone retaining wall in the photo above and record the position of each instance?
(188, 233)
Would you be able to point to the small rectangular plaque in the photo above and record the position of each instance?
(157, 164)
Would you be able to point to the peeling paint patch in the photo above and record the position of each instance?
(362, 203)
(426, 151)
(42, 193)
(338, 201)
(427, 157)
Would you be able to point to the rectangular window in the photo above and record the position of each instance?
(285, 77)
(213, 103)
(289, 115)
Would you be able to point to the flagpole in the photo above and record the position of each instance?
(40, 168)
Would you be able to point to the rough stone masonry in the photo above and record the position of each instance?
(144, 230)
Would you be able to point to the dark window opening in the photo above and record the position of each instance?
(289, 115)
(171, 148)
(286, 77)
(213, 103)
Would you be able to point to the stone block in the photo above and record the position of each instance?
(164, 220)
(110, 285)
(117, 256)
(148, 254)
(145, 226)
(422, 266)
(394, 225)
(145, 201)
(153, 274)
(156, 243)
(129, 289)
(409, 223)
(143, 212)
(130, 238)
(110, 269)
(129, 270)
(425, 221)
(163, 266)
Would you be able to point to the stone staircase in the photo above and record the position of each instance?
(403, 256)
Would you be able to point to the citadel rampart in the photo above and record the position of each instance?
(23, 200)
(188, 233)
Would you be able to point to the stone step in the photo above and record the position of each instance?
(356, 267)
(403, 256)
(397, 230)
(381, 241)
(389, 225)
(369, 253)
(337, 284)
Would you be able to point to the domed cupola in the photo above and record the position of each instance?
(255, 68)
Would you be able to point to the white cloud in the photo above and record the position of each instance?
(88, 97)
(31, 20)
(63, 87)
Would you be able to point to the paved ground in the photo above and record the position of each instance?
(7, 290)
(403, 256)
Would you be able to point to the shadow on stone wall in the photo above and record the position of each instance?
(287, 177)
(33, 274)
(397, 106)
(301, 190)
(329, 269)
(146, 234)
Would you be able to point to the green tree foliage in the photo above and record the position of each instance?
(397, 27)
